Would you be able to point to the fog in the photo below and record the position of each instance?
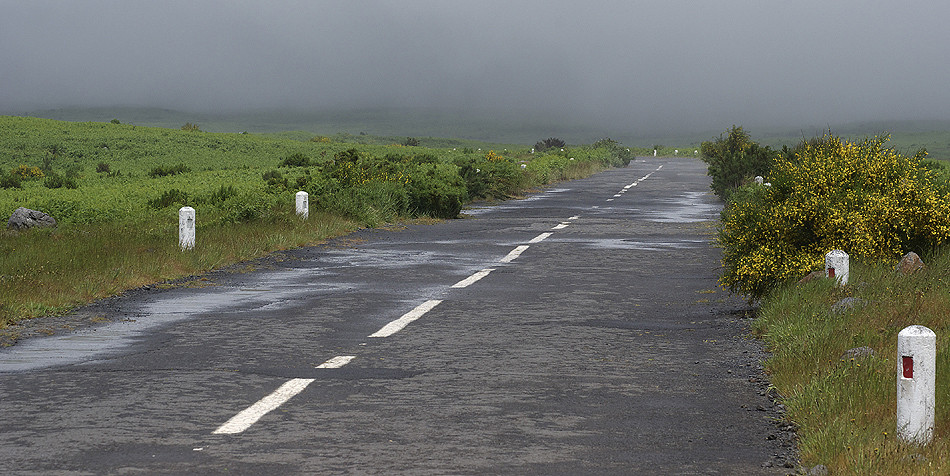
(631, 66)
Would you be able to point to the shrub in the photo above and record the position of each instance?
(103, 168)
(549, 143)
(169, 198)
(862, 198)
(274, 178)
(436, 190)
(734, 159)
(27, 173)
(164, 170)
(10, 180)
(190, 127)
(55, 180)
(410, 142)
(295, 160)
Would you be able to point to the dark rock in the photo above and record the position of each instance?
(24, 218)
(909, 264)
(857, 353)
(848, 304)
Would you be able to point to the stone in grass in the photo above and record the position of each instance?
(24, 218)
(909, 264)
(848, 304)
(857, 353)
(812, 276)
(818, 470)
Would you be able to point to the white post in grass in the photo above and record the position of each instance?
(916, 390)
(186, 228)
(303, 204)
(836, 266)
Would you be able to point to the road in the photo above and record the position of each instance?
(577, 331)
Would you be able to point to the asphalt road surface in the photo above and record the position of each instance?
(577, 331)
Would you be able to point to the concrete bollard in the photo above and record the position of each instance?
(186, 228)
(759, 179)
(676, 152)
(916, 389)
(303, 204)
(654, 152)
(837, 266)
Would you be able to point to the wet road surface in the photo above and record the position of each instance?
(578, 331)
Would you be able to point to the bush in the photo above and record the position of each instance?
(27, 173)
(862, 198)
(549, 143)
(410, 142)
(190, 127)
(436, 190)
(169, 198)
(55, 180)
(274, 178)
(735, 159)
(103, 168)
(10, 181)
(295, 160)
(165, 170)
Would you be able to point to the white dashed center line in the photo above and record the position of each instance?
(398, 325)
(514, 254)
(539, 238)
(473, 278)
(336, 362)
(248, 417)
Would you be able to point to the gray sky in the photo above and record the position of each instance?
(635, 65)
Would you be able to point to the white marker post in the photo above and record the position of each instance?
(654, 152)
(836, 266)
(303, 204)
(916, 390)
(186, 228)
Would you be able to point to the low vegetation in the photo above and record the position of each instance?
(875, 204)
(115, 189)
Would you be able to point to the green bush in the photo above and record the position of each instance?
(295, 160)
(55, 180)
(549, 143)
(10, 180)
(166, 170)
(436, 190)
(862, 198)
(735, 159)
(169, 198)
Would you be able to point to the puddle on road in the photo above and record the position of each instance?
(274, 290)
(689, 207)
(513, 204)
(630, 244)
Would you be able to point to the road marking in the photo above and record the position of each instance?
(541, 237)
(473, 278)
(514, 254)
(575, 217)
(242, 421)
(336, 362)
(610, 199)
(398, 325)
(560, 226)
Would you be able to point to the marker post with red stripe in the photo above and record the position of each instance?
(916, 384)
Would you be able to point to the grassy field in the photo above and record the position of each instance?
(115, 190)
(845, 407)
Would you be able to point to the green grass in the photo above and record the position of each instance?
(845, 408)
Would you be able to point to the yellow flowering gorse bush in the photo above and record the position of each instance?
(860, 197)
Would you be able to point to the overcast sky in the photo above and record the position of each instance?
(649, 65)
